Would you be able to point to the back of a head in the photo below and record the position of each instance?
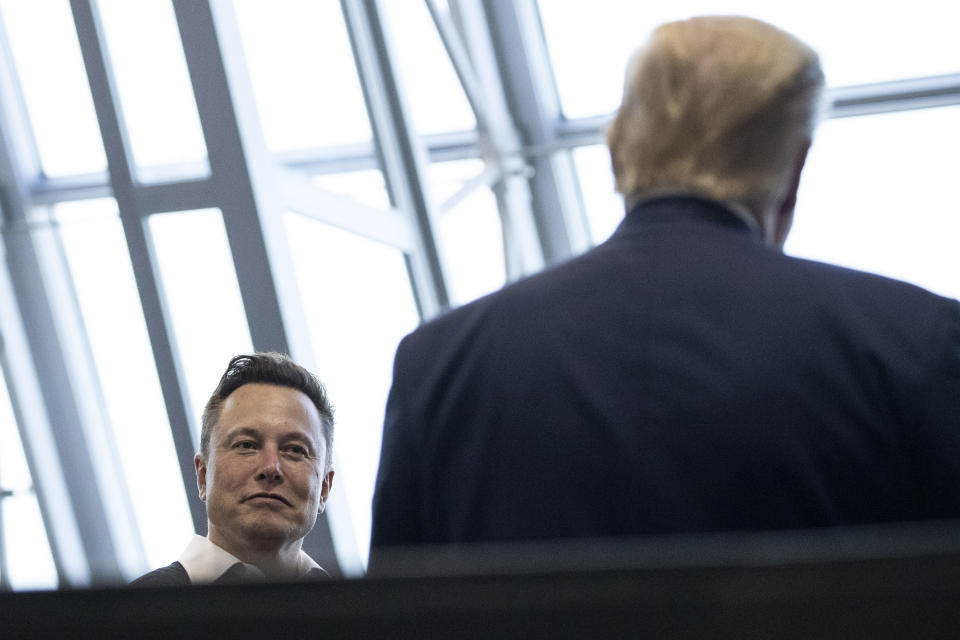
(715, 106)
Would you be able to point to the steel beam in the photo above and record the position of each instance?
(499, 139)
(532, 98)
(401, 151)
(245, 190)
(139, 245)
(61, 419)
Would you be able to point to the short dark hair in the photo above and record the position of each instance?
(267, 367)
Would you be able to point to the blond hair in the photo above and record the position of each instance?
(717, 106)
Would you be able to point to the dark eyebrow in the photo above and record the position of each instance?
(289, 436)
(243, 431)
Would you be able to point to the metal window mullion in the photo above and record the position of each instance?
(531, 95)
(500, 142)
(4, 576)
(140, 248)
(841, 102)
(387, 227)
(402, 155)
(4, 493)
(240, 188)
(460, 59)
(898, 95)
(57, 449)
(23, 145)
(68, 544)
(18, 164)
(243, 178)
(59, 433)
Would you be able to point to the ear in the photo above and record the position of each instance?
(325, 490)
(201, 467)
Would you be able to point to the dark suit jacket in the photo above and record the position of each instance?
(174, 575)
(680, 377)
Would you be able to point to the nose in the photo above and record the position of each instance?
(269, 468)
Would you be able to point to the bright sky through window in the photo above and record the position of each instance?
(96, 252)
(356, 318)
(203, 296)
(859, 41)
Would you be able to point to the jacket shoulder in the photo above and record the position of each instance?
(173, 575)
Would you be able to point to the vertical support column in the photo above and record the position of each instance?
(244, 184)
(4, 575)
(140, 248)
(4, 493)
(402, 156)
(500, 143)
(87, 520)
(69, 546)
(525, 69)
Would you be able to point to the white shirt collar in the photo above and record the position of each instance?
(205, 561)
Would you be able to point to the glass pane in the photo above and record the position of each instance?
(357, 317)
(469, 234)
(879, 194)
(604, 206)
(203, 297)
(431, 87)
(859, 41)
(153, 83)
(366, 187)
(302, 71)
(45, 51)
(26, 550)
(96, 253)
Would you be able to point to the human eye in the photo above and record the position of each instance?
(297, 450)
(244, 445)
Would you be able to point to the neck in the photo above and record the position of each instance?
(276, 562)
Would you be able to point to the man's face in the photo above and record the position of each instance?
(263, 479)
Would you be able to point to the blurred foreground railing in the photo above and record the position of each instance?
(876, 582)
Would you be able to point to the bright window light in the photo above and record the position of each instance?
(366, 187)
(858, 41)
(604, 206)
(301, 67)
(26, 550)
(878, 194)
(44, 44)
(154, 86)
(96, 253)
(469, 234)
(359, 304)
(202, 294)
(435, 96)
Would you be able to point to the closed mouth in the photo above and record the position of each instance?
(272, 496)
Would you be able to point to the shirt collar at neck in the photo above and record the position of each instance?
(205, 561)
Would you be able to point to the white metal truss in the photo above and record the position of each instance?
(137, 234)
(401, 153)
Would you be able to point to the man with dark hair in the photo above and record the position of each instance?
(685, 375)
(264, 472)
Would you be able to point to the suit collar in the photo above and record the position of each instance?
(688, 211)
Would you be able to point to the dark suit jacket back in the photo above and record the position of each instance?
(681, 377)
